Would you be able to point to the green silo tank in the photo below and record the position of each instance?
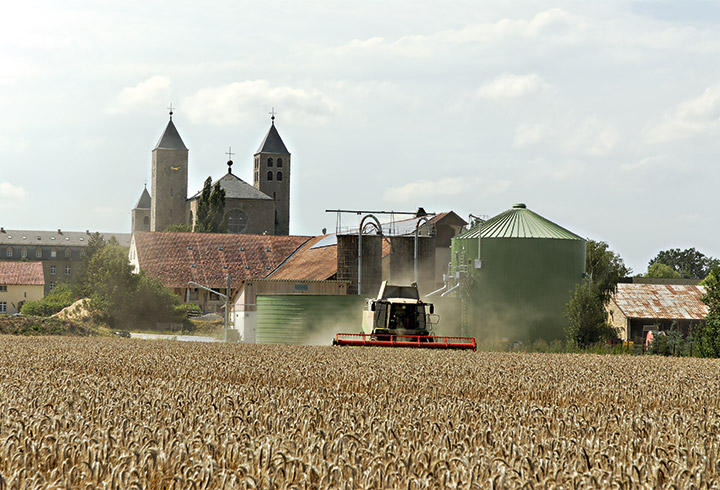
(515, 273)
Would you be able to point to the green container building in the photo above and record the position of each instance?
(307, 319)
(514, 274)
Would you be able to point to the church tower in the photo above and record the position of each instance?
(272, 176)
(169, 180)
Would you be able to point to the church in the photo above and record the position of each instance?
(261, 208)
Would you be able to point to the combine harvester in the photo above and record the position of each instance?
(399, 318)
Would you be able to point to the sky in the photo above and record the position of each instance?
(600, 116)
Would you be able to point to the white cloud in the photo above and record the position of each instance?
(509, 85)
(14, 145)
(420, 190)
(695, 117)
(590, 136)
(239, 101)
(11, 194)
(144, 94)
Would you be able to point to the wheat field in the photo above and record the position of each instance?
(131, 414)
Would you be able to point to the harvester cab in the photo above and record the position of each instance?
(398, 310)
(397, 317)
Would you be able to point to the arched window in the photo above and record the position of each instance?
(237, 221)
(269, 174)
(279, 162)
(68, 253)
(279, 177)
(23, 253)
(146, 222)
(38, 252)
(270, 162)
(9, 252)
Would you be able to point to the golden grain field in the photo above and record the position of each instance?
(116, 413)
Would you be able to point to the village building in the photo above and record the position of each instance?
(20, 282)
(60, 252)
(637, 308)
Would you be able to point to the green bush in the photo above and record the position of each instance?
(188, 310)
(59, 298)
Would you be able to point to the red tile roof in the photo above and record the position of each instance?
(309, 263)
(206, 258)
(21, 273)
(662, 301)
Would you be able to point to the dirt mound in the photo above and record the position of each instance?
(79, 310)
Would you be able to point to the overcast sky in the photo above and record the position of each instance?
(602, 116)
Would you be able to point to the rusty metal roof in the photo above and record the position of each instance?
(661, 301)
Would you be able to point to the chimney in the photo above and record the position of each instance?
(87, 232)
(2, 229)
(59, 231)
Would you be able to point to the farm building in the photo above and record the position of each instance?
(177, 259)
(514, 274)
(637, 308)
(20, 282)
(289, 311)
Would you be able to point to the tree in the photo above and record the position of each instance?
(211, 209)
(604, 269)
(95, 244)
(659, 269)
(689, 263)
(708, 338)
(587, 318)
(585, 312)
(124, 299)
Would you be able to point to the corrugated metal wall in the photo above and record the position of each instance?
(306, 319)
(521, 290)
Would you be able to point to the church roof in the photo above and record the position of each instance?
(206, 258)
(273, 143)
(236, 188)
(144, 202)
(170, 140)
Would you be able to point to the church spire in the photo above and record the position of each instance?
(170, 139)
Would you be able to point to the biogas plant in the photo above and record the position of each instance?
(513, 275)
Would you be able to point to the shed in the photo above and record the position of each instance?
(276, 301)
(637, 308)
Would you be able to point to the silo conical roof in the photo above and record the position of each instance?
(519, 222)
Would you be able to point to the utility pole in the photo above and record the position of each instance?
(226, 296)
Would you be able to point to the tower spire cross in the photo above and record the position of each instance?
(272, 115)
(171, 110)
(229, 153)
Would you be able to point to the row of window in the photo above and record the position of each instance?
(279, 162)
(278, 176)
(39, 253)
(53, 270)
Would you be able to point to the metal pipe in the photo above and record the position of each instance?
(415, 254)
(360, 234)
(437, 291)
(450, 290)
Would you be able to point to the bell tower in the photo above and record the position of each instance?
(169, 180)
(272, 175)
